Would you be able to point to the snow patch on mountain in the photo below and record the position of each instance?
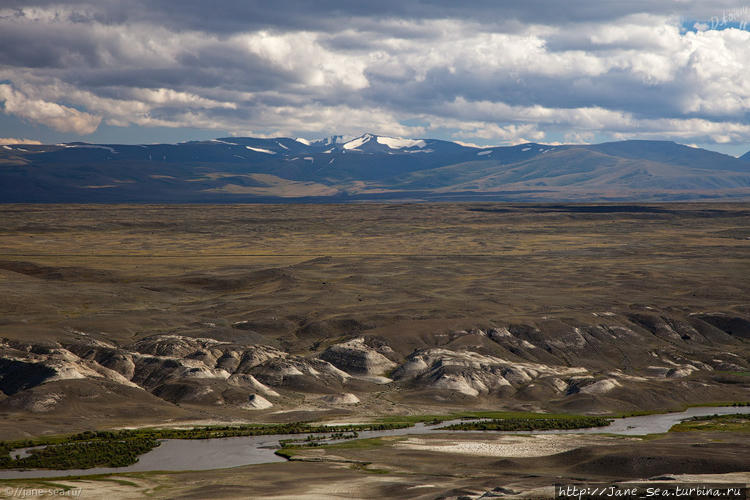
(303, 141)
(355, 143)
(389, 142)
(261, 150)
(400, 143)
(86, 146)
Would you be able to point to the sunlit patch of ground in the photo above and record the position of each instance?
(538, 445)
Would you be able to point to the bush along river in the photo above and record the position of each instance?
(221, 447)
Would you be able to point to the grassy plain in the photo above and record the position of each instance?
(399, 270)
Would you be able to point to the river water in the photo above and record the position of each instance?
(207, 454)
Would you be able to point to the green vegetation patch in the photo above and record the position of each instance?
(317, 440)
(82, 454)
(289, 449)
(472, 415)
(122, 448)
(737, 422)
(287, 453)
(211, 432)
(359, 444)
(530, 424)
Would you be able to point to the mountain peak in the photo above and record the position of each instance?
(383, 143)
(356, 144)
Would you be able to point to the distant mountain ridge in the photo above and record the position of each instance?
(369, 167)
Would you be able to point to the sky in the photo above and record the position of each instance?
(484, 72)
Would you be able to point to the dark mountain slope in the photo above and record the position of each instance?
(235, 169)
(574, 168)
(672, 153)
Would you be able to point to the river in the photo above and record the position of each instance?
(207, 454)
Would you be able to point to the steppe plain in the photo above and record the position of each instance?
(125, 315)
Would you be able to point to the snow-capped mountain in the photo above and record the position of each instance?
(368, 167)
(366, 143)
(369, 143)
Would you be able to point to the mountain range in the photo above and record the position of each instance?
(367, 168)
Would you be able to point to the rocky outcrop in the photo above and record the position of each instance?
(551, 360)
(471, 373)
(176, 345)
(106, 355)
(17, 375)
(174, 368)
(299, 373)
(600, 386)
(23, 366)
(250, 382)
(357, 357)
(340, 399)
(257, 402)
(731, 325)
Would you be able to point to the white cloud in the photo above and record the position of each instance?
(579, 137)
(631, 74)
(510, 134)
(11, 140)
(694, 129)
(302, 54)
(57, 116)
(587, 118)
(163, 96)
(317, 120)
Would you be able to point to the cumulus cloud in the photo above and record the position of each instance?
(534, 71)
(57, 116)
(10, 140)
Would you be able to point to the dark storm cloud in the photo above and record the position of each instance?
(227, 16)
(46, 46)
(611, 91)
(508, 72)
